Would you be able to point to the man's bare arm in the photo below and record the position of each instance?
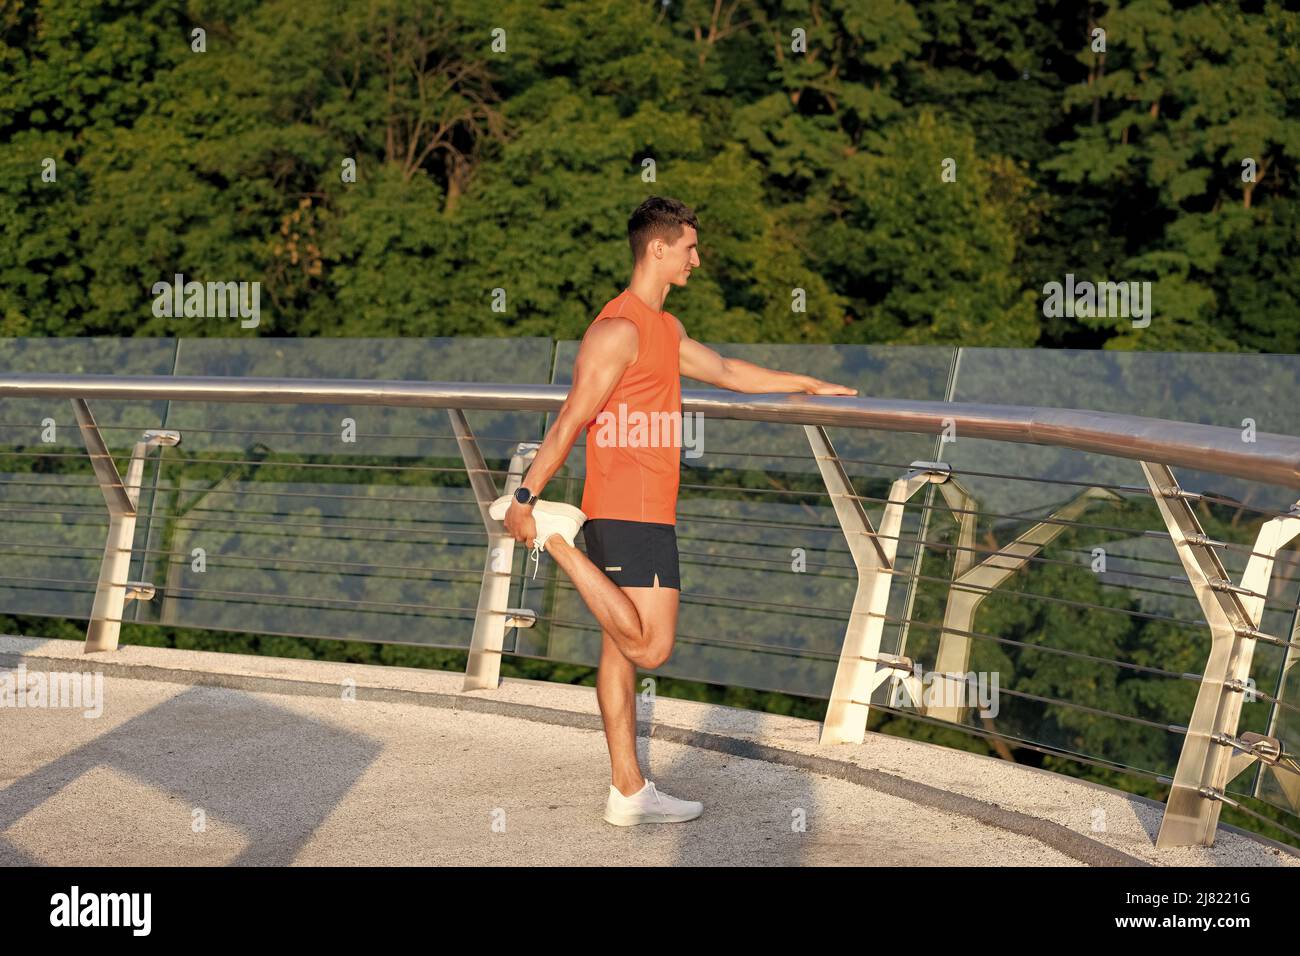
(607, 349)
(698, 361)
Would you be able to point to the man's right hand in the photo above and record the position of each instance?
(520, 524)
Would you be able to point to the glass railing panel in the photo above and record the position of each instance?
(344, 521)
(1126, 561)
(54, 515)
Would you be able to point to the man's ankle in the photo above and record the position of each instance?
(630, 788)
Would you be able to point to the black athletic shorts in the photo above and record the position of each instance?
(633, 553)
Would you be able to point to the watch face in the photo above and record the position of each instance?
(522, 496)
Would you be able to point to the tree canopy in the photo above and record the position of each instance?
(863, 170)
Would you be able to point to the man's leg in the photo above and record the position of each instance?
(618, 616)
(616, 684)
(616, 694)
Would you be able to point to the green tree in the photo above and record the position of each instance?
(1182, 98)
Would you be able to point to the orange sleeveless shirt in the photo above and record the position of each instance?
(634, 443)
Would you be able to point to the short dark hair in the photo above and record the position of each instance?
(658, 218)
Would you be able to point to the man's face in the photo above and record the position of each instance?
(680, 258)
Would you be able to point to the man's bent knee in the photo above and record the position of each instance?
(657, 608)
(655, 654)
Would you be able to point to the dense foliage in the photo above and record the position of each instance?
(481, 168)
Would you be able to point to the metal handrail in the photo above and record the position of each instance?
(1270, 458)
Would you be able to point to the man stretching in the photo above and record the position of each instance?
(632, 358)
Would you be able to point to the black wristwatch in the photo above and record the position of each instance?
(524, 496)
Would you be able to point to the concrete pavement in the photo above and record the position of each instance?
(212, 759)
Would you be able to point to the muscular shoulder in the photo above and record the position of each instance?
(612, 337)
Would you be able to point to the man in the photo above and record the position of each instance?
(631, 360)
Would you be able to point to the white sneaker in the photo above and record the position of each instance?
(551, 517)
(648, 805)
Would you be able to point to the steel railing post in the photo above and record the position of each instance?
(1233, 613)
(492, 618)
(858, 674)
(113, 590)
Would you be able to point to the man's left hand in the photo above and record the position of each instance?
(816, 386)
